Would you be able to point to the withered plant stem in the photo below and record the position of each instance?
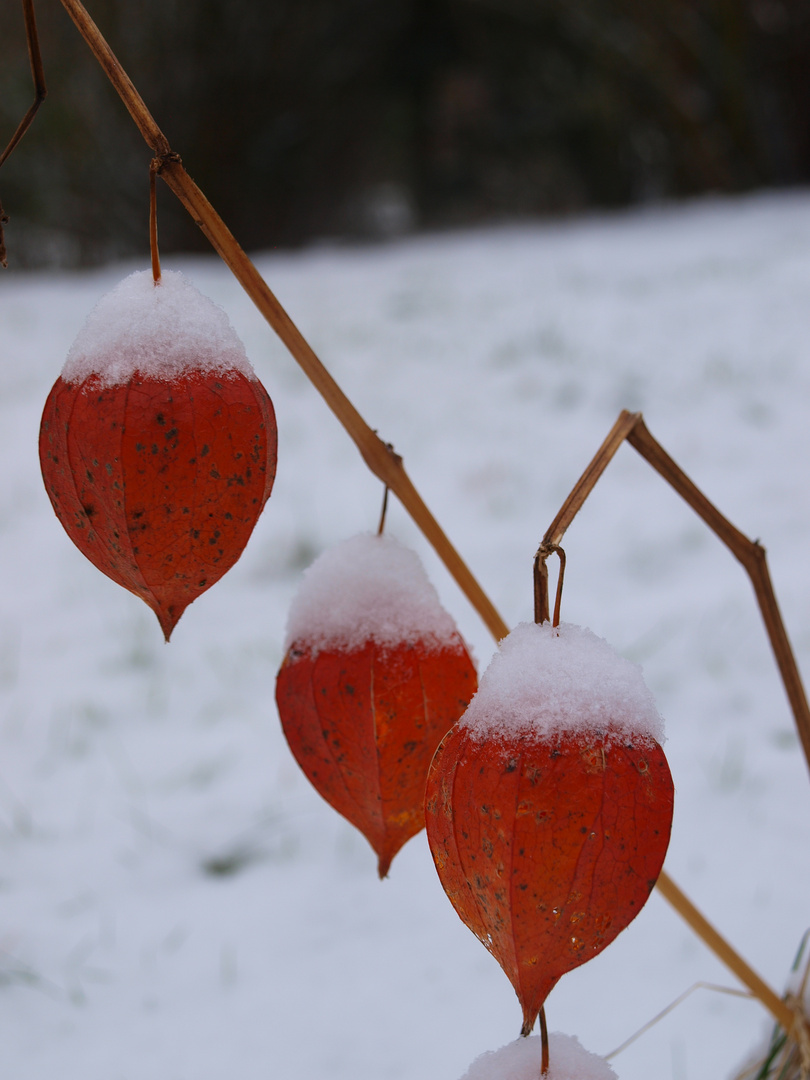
(153, 229)
(40, 93)
(387, 465)
(560, 576)
(37, 74)
(751, 554)
(779, 1009)
(541, 606)
(384, 511)
(544, 1062)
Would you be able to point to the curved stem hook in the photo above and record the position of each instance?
(541, 607)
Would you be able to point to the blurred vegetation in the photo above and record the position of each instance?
(304, 119)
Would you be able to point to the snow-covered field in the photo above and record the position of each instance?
(176, 902)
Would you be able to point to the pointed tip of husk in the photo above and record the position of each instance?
(168, 619)
(528, 1026)
(383, 866)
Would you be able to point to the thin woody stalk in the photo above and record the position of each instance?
(379, 457)
(383, 512)
(779, 1009)
(543, 1044)
(37, 74)
(631, 427)
(40, 93)
(153, 229)
(752, 556)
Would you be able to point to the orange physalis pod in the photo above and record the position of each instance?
(549, 805)
(375, 674)
(158, 443)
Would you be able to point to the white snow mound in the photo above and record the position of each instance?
(161, 331)
(561, 679)
(522, 1060)
(368, 588)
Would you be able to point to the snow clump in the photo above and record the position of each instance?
(161, 331)
(368, 588)
(522, 1060)
(551, 680)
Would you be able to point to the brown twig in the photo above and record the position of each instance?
(778, 1008)
(153, 229)
(752, 556)
(40, 93)
(127, 91)
(631, 426)
(587, 482)
(544, 1062)
(383, 512)
(558, 598)
(37, 74)
(541, 607)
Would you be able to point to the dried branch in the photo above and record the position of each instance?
(778, 1008)
(587, 482)
(153, 226)
(544, 1043)
(752, 556)
(40, 92)
(631, 427)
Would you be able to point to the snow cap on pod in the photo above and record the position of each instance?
(561, 679)
(160, 331)
(368, 588)
(522, 1060)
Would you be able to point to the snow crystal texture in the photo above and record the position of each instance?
(522, 1060)
(555, 680)
(160, 331)
(368, 588)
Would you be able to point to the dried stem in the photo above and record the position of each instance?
(544, 1063)
(153, 229)
(679, 1000)
(40, 92)
(387, 465)
(37, 74)
(135, 104)
(383, 512)
(631, 426)
(587, 482)
(558, 598)
(541, 608)
(752, 556)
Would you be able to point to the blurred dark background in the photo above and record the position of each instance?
(306, 119)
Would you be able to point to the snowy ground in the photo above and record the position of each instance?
(176, 903)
